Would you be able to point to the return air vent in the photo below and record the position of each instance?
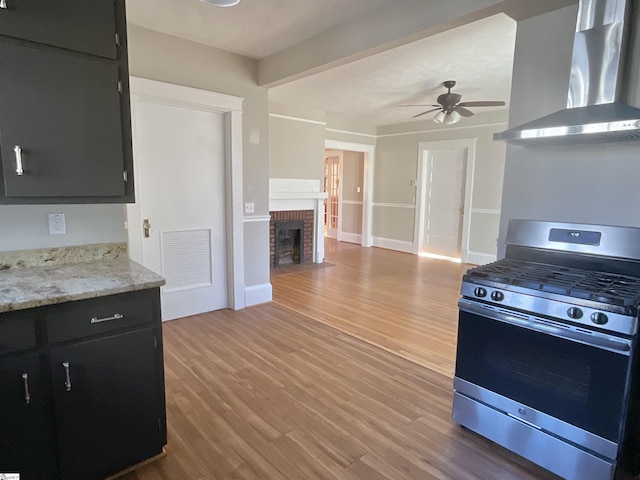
(186, 259)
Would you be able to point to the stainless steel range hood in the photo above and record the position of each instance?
(595, 111)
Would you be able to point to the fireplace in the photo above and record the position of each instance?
(291, 239)
(288, 243)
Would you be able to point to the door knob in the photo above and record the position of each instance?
(146, 227)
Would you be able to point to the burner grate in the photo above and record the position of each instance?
(596, 286)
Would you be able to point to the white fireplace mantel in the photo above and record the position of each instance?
(291, 194)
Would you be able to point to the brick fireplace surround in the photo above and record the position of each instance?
(281, 216)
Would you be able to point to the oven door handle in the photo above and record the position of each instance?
(594, 339)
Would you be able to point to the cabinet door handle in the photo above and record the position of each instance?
(18, 151)
(27, 395)
(115, 316)
(67, 382)
(3, 4)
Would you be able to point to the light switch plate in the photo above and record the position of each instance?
(57, 224)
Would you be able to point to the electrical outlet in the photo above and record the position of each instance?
(249, 207)
(57, 224)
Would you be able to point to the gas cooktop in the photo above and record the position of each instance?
(601, 287)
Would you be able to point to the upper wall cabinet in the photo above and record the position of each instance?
(79, 25)
(65, 122)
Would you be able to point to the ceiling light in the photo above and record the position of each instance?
(221, 3)
(447, 118)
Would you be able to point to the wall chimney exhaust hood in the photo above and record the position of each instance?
(595, 111)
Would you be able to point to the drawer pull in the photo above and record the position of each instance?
(3, 4)
(67, 382)
(18, 151)
(116, 316)
(27, 395)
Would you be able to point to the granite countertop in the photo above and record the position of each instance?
(39, 285)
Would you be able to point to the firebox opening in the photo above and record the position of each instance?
(289, 243)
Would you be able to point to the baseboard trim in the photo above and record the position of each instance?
(351, 238)
(479, 258)
(392, 244)
(257, 294)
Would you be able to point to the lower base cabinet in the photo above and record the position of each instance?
(92, 403)
(26, 423)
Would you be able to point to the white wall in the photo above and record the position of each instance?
(593, 183)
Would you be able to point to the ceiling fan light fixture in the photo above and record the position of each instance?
(221, 3)
(447, 118)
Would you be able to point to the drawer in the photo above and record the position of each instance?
(99, 315)
(17, 332)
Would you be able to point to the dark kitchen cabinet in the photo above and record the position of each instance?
(26, 433)
(65, 123)
(93, 403)
(79, 25)
(107, 409)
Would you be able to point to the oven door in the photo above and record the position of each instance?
(571, 382)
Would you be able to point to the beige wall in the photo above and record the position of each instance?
(352, 179)
(396, 166)
(296, 148)
(169, 59)
(589, 183)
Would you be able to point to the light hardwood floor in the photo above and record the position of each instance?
(402, 303)
(267, 393)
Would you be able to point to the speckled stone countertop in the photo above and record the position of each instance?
(35, 286)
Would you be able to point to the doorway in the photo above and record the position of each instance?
(349, 169)
(181, 225)
(445, 171)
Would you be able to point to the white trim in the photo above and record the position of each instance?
(297, 119)
(169, 94)
(367, 187)
(394, 205)
(334, 130)
(479, 258)
(257, 294)
(442, 129)
(488, 211)
(423, 151)
(393, 244)
(351, 238)
(352, 202)
(256, 218)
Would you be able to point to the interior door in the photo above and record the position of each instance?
(444, 213)
(332, 202)
(180, 155)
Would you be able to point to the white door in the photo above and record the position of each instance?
(332, 203)
(443, 182)
(180, 178)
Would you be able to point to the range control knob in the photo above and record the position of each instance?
(599, 318)
(497, 296)
(480, 292)
(574, 313)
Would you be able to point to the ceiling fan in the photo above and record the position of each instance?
(450, 109)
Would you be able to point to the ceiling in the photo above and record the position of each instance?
(478, 55)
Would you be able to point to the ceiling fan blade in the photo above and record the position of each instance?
(417, 105)
(424, 113)
(482, 104)
(463, 111)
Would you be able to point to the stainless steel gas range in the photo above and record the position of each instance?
(547, 348)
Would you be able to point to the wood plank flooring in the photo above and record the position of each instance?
(268, 394)
(402, 303)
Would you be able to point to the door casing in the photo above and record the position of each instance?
(231, 106)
